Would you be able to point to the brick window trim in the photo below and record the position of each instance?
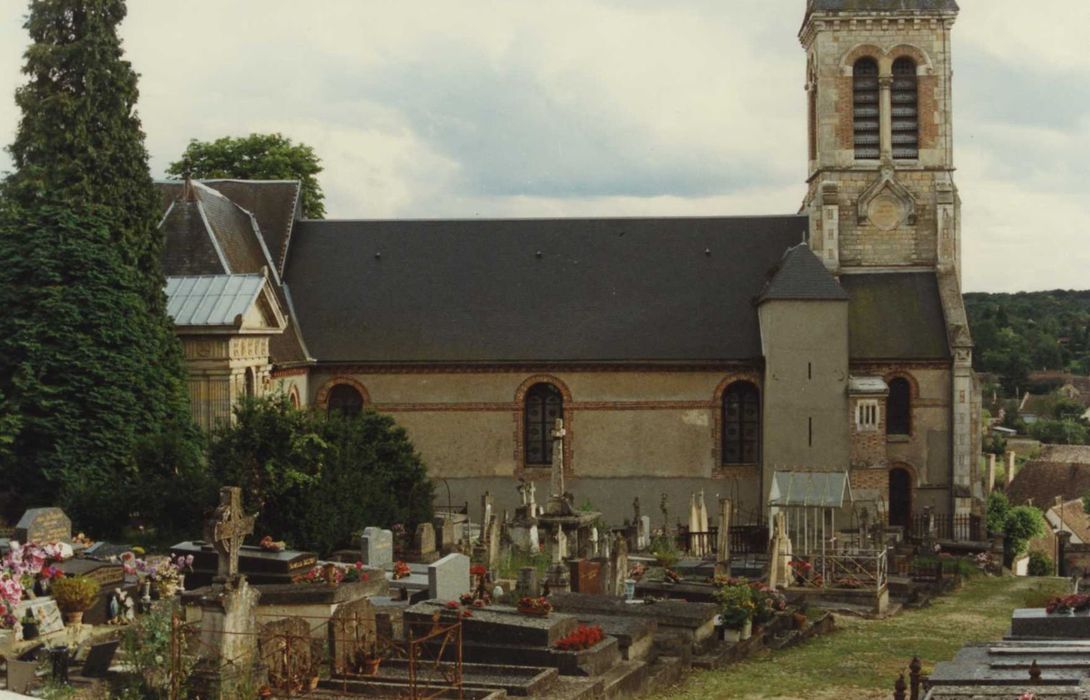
(322, 398)
(534, 471)
(753, 378)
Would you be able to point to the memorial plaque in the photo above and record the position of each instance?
(586, 576)
(45, 611)
(43, 526)
(885, 212)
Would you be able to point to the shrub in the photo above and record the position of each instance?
(316, 479)
(1040, 564)
(75, 593)
(665, 551)
(998, 509)
(1023, 524)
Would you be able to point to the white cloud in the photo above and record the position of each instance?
(608, 107)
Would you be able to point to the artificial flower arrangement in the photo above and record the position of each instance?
(766, 602)
(583, 637)
(637, 571)
(166, 575)
(355, 573)
(20, 568)
(671, 576)
(535, 606)
(321, 575)
(478, 570)
(1062, 605)
(455, 606)
(270, 545)
(401, 570)
(475, 601)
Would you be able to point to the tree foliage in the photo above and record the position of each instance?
(997, 511)
(1018, 333)
(1024, 523)
(1060, 432)
(317, 480)
(256, 157)
(89, 360)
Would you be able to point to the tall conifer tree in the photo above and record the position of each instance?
(88, 357)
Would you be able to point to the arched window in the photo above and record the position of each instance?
(905, 118)
(344, 399)
(544, 404)
(741, 424)
(865, 108)
(899, 407)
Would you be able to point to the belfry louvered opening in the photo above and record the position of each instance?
(905, 120)
(865, 108)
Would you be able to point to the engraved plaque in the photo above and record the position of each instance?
(885, 212)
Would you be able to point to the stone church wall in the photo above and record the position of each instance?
(631, 432)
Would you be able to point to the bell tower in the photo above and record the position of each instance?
(878, 80)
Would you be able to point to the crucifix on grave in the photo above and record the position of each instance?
(226, 530)
(558, 503)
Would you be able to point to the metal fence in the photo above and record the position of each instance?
(744, 540)
(848, 569)
(957, 528)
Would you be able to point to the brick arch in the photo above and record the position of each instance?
(906, 375)
(753, 378)
(519, 414)
(913, 489)
(322, 399)
(293, 397)
(847, 61)
(913, 398)
(915, 53)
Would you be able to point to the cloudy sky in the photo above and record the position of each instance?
(622, 107)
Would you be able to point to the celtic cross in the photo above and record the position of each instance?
(226, 530)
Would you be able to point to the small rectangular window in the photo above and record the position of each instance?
(866, 415)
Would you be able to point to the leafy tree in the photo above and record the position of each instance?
(90, 362)
(1040, 564)
(997, 511)
(1024, 523)
(256, 157)
(1060, 432)
(317, 480)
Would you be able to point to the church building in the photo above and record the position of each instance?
(683, 354)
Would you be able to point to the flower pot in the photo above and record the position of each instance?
(166, 589)
(370, 666)
(73, 618)
(732, 634)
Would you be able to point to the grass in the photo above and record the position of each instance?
(862, 659)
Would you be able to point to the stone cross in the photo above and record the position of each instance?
(226, 530)
(558, 458)
(522, 492)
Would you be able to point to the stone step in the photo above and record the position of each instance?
(664, 673)
(352, 690)
(575, 688)
(625, 680)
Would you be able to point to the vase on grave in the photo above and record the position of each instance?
(30, 628)
(166, 588)
(73, 618)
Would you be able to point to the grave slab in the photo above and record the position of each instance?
(500, 624)
(1035, 622)
(43, 526)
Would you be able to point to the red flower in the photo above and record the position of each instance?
(478, 570)
(453, 604)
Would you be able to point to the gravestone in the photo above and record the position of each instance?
(779, 554)
(424, 539)
(377, 547)
(45, 611)
(227, 647)
(44, 526)
(492, 544)
(448, 578)
(99, 659)
(528, 582)
(444, 533)
(722, 539)
(991, 473)
(643, 536)
(586, 576)
(352, 634)
(289, 654)
(618, 565)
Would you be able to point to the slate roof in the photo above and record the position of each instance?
(532, 290)
(802, 276)
(211, 300)
(207, 233)
(275, 205)
(895, 316)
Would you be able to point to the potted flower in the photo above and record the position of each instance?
(583, 637)
(74, 596)
(30, 626)
(736, 608)
(401, 570)
(766, 603)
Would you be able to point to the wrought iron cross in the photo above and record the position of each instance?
(226, 530)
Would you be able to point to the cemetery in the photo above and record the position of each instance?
(546, 602)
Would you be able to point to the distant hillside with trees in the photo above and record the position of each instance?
(1018, 333)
